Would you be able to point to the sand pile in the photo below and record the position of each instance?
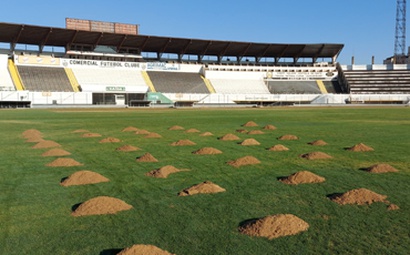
(318, 143)
(130, 129)
(207, 151)
(315, 155)
(31, 133)
(249, 142)
(147, 157)
(274, 226)
(176, 128)
(269, 127)
(46, 144)
(256, 132)
(278, 147)
(66, 162)
(381, 168)
(127, 148)
(83, 178)
(183, 143)
(360, 147)
(110, 140)
(101, 205)
(358, 196)
(142, 249)
(393, 207)
(288, 137)
(153, 135)
(206, 134)
(229, 137)
(34, 139)
(56, 153)
(250, 124)
(302, 177)
(142, 132)
(247, 160)
(192, 130)
(81, 131)
(163, 172)
(91, 135)
(203, 188)
(242, 131)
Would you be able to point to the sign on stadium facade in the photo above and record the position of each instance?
(101, 26)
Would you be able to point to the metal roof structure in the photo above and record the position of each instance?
(67, 38)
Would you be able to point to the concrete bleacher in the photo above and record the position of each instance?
(333, 87)
(178, 82)
(6, 83)
(237, 82)
(36, 78)
(293, 87)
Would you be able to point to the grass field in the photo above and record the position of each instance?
(35, 210)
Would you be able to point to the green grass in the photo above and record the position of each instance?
(35, 210)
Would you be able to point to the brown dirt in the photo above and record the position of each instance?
(302, 177)
(360, 147)
(318, 143)
(242, 131)
(183, 143)
(278, 147)
(66, 162)
(381, 168)
(101, 205)
(247, 160)
(142, 132)
(206, 134)
(163, 172)
(29, 133)
(153, 135)
(91, 135)
(288, 137)
(269, 127)
(393, 207)
(274, 226)
(110, 140)
(34, 139)
(206, 187)
(81, 131)
(359, 196)
(83, 178)
(249, 142)
(143, 249)
(130, 129)
(127, 148)
(229, 137)
(46, 144)
(176, 128)
(192, 130)
(55, 153)
(207, 151)
(256, 132)
(250, 124)
(147, 157)
(315, 155)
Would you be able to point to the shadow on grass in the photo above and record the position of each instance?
(63, 179)
(110, 251)
(246, 223)
(334, 195)
(74, 207)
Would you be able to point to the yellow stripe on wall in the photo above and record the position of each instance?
(321, 86)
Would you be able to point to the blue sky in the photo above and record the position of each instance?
(365, 27)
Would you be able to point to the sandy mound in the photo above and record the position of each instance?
(176, 128)
(203, 188)
(142, 132)
(130, 129)
(182, 143)
(55, 152)
(142, 249)
(247, 160)
(147, 157)
(269, 127)
(192, 130)
(381, 168)
(393, 207)
(81, 131)
(127, 148)
(256, 132)
(288, 137)
(274, 226)
(101, 205)
(46, 144)
(207, 151)
(315, 155)
(64, 162)
(302, 177)
(31, 133)
(83, 178)
(242, 131)
(206, 134)
(318, 143)
(278, 147)
(91, 135)
(163, 172)
(153, 135)
(358, 196)
(250, 124)
(249, 142)
(229, 137)
(110, 140)
(34, 139)
(360, 147)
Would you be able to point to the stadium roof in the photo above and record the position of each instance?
(51, 36)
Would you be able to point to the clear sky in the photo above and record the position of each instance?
(365, 27)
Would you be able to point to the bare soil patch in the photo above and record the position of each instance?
(83, 178)
(101, 205)
(163, 172)
(176, 128)
(46, 144)
(360, 147)
(274, 226)
(147, 157)
(206, 187)
(56, 153)
(318, 143)
(288, 138)
(142, 132)
(381, 168)
(29, 133)
(192, 130)
(81, 131)
(206, 134)
(184, 142)
(110, 140)
(250, 124)
(130, 129)
(393, 207)
(242, 131)
(35, 139)
(302, 177)
(315, 155)
(143, 249)
(207, 151)
(278, 147)
(153, 135)
(65, 162)
(229, 137)
(256, 132)
(360, 196)
(247, 160)
(269, 127)
(249, 142)
(127, 148)
(86, 135)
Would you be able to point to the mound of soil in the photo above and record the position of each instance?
(110, 140)
(358, 196)
(269, 127)
(206, 134)
(66, 162)
(142, 132)
(302, 177)
(288, 137)
(176, 128)
(256, 132)
(278, 147)
(46, 144)
(81, 131)
(183, 143)
(242, 131)
(91, 135)
(250, 124)
(34, 139)
(192, 130)
(153, 135)
(207, 151)
(163, 172)
(360, 147)
(147, 157)
(318, 143)
(393, 207)
(127, 148)
(83, 178)
(315, 155)
(29, 133)
(229, 137)
(205, 187)
(381, 168)
(101, 205)
(56, 153)
(142, 249)
(274, 226)
(130, 129)
(247, 160)
(249, 142)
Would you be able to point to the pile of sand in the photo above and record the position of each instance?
(91, 135)
(142, 132)
(288, 137)
(242, 131)
(127, 148)
(176, 128)
(66, 162)
(130, 129)
(34, 139)
(163, 172)
(249, 142)
(183, 143)
(229, 137)
(360, 147)
(110, 140)
(206, 134)
(381, 168)
(192, 130)
(274, 226)
(256, 132)
(318, 143)
(153, 135)
(81, 131)
(250, 124)
(278, 147)
(315, 155)
(205, 187)
(142, 249)
(147, 157)
(101, 205)
(302, 177)
(83, 178)
(55, 153)
(269, 127)
(46, 144)
(31, 133)
(207, 151)
(358, 196)
(247, 160)
(393, 207)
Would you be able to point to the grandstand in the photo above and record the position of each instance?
(122, 68)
